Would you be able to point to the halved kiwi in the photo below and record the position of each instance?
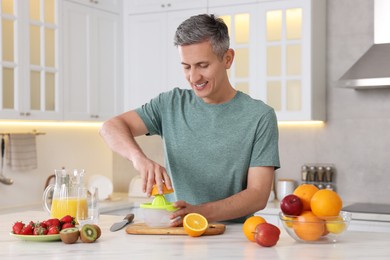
(69, 235)
(88, 233)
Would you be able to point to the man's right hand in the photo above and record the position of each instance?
(151, 173)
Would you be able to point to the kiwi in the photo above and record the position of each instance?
(88, 233)
(69, 235)
(99, 231)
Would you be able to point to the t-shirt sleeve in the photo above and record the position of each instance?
(151, 114)
(265, 149)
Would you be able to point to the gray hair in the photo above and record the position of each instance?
(204, 27)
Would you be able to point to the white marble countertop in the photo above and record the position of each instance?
(230, 245)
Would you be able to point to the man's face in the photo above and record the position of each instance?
(205, 72)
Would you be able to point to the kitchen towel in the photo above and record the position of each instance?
(22, 152)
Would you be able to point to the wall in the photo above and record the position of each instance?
(65, 145)
(356, 135)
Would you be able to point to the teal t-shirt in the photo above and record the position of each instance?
(210, 147)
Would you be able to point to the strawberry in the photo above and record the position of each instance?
(53, 222)
(67, 219)
(17, 227)
(39, 230)
(53, 230)
(41, 224)
(27, 230)
(67, 225)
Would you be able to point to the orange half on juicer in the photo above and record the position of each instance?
(165, 190)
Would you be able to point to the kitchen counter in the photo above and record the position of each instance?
(230, 245)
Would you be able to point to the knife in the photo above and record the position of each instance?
(119, 225)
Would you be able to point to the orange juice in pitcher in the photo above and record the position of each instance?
(66, 198)
(70, 206)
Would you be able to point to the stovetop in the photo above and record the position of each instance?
(368, 208)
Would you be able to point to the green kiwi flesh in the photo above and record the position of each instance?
(88, 233)
(69, 235)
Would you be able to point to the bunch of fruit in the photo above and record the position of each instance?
(313, 213)
(47, 227)
(65, 227)
(256, 229)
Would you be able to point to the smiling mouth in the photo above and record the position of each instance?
(200, 86)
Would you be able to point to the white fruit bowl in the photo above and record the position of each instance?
(300, 231)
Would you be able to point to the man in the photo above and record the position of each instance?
(221, 146)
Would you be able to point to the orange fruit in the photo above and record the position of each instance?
(165, 190)
(308, 226)
(326, 203)
(195, 224)
(305, 192)
(249, 226)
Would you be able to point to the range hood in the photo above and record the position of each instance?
(372, 70)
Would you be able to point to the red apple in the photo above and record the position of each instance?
(267, 234)
(291, 205)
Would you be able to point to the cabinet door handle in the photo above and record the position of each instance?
(25, 113)
(169, 5)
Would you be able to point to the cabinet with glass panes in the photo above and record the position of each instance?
(280, 54)
(29, 76)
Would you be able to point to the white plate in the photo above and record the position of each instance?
(104, 185)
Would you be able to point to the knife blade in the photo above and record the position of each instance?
(119, 225)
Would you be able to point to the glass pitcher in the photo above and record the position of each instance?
(65, 196)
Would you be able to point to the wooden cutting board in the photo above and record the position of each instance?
(143, 229)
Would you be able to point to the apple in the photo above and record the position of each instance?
(267, 234)
(291, 205)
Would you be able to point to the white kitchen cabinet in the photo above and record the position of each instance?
(152, 61)
(106, 5)
(29, 76)
(280, 54)
(92, 49)
(148, 6)
(239, 21)
(290, 69)
(226, 3)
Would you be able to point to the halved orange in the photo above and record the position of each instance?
(195, 224)
(165, 190)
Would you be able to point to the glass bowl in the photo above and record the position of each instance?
(320, 231)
